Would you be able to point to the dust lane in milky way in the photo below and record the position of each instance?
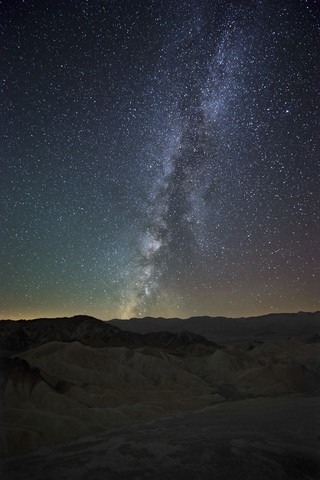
(161, 158)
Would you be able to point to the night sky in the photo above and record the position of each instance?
(159, 158)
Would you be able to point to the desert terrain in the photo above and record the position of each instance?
(83, 398)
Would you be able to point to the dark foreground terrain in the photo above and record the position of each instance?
(265, 438)
(84, 399)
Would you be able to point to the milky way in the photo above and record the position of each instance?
(160, 158)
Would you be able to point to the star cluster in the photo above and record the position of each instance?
(160, 157)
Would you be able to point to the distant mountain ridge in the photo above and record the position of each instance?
(223, 329)
(169, 333)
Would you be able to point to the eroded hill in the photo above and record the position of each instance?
(79, 376)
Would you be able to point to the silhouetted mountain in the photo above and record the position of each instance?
(272, 327)
(22, 335)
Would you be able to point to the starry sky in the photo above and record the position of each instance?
(159, 157)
